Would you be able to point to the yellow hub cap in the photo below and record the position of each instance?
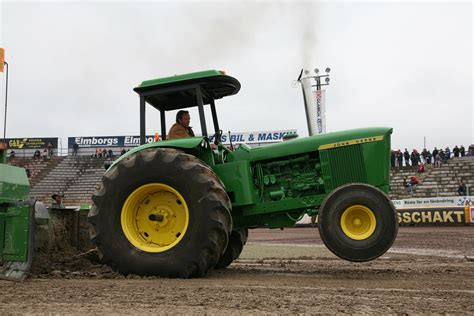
(358, 222)
(155, 217)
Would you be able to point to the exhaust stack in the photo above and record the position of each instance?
(309, 102)
(314, 100)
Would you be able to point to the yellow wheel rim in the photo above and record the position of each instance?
(155, 217)
(358, 222)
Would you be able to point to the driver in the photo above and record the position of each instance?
(181, 128)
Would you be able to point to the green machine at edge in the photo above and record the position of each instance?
(16, 220)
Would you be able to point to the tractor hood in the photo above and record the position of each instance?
(312, 143)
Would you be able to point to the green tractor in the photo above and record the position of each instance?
(180, 208)
(16, 221)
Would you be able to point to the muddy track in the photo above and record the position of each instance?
(427, 270)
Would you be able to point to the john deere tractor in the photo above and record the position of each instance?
(181, 207)
(16, 221)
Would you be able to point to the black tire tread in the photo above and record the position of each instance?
(237, 240)
(215, 201)
(327, 233)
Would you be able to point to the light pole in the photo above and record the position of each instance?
(318, 78)
(2, 64)
(6, 102)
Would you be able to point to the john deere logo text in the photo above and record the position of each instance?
(351, 142)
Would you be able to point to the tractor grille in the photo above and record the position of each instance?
(342, 165)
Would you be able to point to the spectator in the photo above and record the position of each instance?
(57, 201)
(104, 153)
(462, 150)
(409, 187)
(400, 158)
(28, 172)
(447, 153)
(37, 154)
(413, 158)
(97, 153)
(12, 154)
(435, 153)
(421, 168)
(75, 148)
(440, 153)
(50, 149)
(428, 157)
(412, 184)
(123, 152)
(456, 151)
(462, 188)
(424, 155)
(406, 155)
(437, 161)
(392, 158)
(110, 153)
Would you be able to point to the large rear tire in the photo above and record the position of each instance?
(161, 212)
(237, 240)
(358, 222)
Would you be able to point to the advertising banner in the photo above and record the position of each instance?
(133, 141)
(433, 215)
(107, 141)
(434, 201)
(254, 137)
(31, 143)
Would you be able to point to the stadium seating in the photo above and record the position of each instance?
(38, 167)
(75, 177)
(442, 181)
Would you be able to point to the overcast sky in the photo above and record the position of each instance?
(406, 65)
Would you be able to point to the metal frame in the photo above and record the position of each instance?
(200, 105)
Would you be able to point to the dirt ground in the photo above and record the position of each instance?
(428, 270)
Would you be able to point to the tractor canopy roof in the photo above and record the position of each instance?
(179, 91)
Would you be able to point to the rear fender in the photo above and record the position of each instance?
(196, 146)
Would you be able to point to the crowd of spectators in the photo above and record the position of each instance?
(436, 157)
(103, 153)
(106, 153)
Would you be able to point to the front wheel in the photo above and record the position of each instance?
(358, 222)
